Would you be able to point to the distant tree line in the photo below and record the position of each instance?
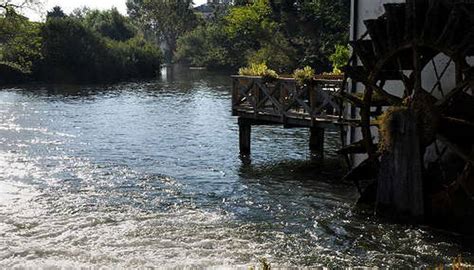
(96, 46)
(284, 34)
(82, 47)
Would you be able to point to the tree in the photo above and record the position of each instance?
(70, 51)
(284, 34)
(168, 19)
(314, 27)
(276, 52)
(20, 41)
(205, 46)
(77, 50)
(109, 23)
(11, 19)
(134, 9)
(247, 34)
(242, 2)
(56, 12)
(19, 4)
(255, 35)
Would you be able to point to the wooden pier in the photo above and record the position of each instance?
(285, 102)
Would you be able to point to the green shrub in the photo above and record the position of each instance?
(205, 46)
(109, 23)
(71, 52)
(277, 53)
(244, 35)
(20, 42)
(260, 70)
(340, 58)
(303, 76)
(74, 52)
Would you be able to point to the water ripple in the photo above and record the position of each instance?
(147, 174)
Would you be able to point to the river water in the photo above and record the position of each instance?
(148, 174)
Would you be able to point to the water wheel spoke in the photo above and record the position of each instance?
(392, 99)
(459, 121)
(439, 76)
(439, 152)
(351, 98)
(456, 149)
(464, 178)
(460, 87)
(407, 82)
(367, 169)
(417, 70)
(354, 148)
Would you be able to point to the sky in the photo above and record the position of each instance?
(70, 5)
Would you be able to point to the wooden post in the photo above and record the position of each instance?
(400, 182)
(313, 96)
(316, 142)
(235, 94)
(244, 137)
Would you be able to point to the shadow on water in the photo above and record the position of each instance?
(172, 78)
(285, 200)
(329, 170)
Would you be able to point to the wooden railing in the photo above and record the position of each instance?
(284, 98)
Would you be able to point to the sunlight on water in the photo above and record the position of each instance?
(148, 174)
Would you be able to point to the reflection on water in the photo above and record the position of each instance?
(148, 174)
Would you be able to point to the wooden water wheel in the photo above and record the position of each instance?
(416, 106)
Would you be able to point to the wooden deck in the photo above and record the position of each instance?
(285, 102)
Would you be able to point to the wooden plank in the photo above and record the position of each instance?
(268, 95)
(354, 148)
(400, 182)
(284, 101)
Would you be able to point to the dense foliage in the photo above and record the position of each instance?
(340, 58)
(166, 20)
(284, 34)
(91, 46)
(206, 46)
(20, 44)
(314, 28)
(109, 23)
(74, 52)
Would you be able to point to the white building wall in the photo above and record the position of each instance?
(367, 9)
